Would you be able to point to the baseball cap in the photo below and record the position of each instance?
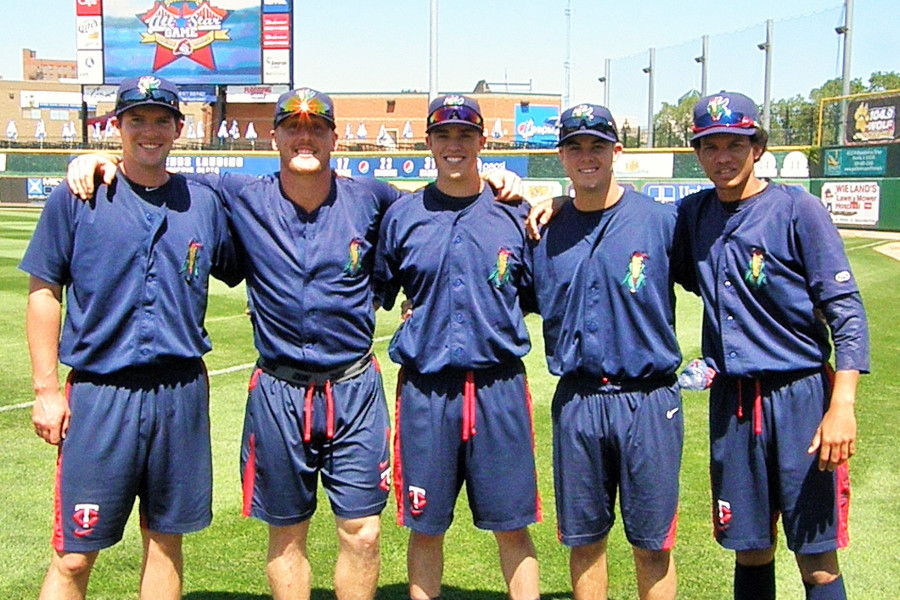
(304, 101)
(587, 119)
(147, 91)
(454, 109)
(725, 112)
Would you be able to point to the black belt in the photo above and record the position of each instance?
(304, 378)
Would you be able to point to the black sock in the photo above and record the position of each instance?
(754, 582)
(829, 591)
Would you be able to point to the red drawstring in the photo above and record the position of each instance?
(468, 427)
(329, 411)
(757, 406)
(307, 412)
(757, 410)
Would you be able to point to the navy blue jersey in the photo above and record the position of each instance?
(308, 274)
(761, 266)
(135, 265)
(462, 263)
(604, 289)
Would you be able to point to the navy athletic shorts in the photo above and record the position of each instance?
(137, 433)
(294, 432)
(609, 438)
(759, 433)
(460, 426)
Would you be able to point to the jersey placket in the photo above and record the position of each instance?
(726, 284)
(304, 251)
(460, 259)
(154, 219)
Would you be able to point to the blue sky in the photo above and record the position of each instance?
(362, 45)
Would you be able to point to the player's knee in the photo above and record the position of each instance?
(651, 559)
(818, 569)
(360, 536)
(75, 566)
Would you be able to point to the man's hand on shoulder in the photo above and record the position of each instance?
(84, 169)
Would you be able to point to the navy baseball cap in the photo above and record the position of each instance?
(587, 119)
(725, 112)
(454, 109)
(304, 101)
(147, 91)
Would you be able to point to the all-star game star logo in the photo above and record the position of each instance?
(184, 29)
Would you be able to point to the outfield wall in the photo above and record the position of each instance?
(860, 186)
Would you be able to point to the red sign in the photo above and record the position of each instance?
(88, 8)
(276, 31)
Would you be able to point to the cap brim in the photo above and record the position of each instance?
(282, 117)
(454, 122)
(591, 132)
(748, 131)
(125, 109)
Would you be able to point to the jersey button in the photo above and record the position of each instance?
(459, 317)
(727, 283)
(457, 283)
(457, 240)
(729, 318)
(732, 354)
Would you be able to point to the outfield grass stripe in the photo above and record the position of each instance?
(4, 409)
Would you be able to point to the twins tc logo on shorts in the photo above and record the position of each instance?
(417, 500)
(190, 268)
(634, 277)
(85, 517)
(354, 261)
(756, 269)
(385, 469)
(723, 514)
(500, 274)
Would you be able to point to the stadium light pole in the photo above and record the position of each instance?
(605, 81)
(649, 70)
(432, 65)
(767, 93)
(703, 59)
(567, 65)
(845, 30)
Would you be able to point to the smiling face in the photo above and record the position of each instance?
(588, 161)
(455, 149)
(728, 160)
(304, 144)
(148, 134)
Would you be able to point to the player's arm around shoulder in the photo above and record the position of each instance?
(86, 171)
(43, 318)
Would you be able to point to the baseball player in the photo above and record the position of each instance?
(463, 409)
(133, 421)
(771, 270)
(316, 404)
(604, 289)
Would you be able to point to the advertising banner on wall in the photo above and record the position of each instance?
(873, 120)
(852, 202)
(537, 125)
(860, 162)
(213, 42)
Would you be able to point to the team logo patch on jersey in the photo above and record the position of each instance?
(756, 269)
(723, 514)
(190, 268)
(842, 276)
(85, 517)
(500, 274)
(634, 277)
(354, 262)
(417, 500)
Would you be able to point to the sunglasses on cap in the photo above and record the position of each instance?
(130, 97)
(455, 113)
(574, 124)
(305, 105)
(732, 118)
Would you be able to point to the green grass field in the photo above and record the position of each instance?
(227, 560)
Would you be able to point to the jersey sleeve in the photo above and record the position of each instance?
(385, 276)
(821, 250)
(681, 262)
(49, 253)
(849, 326)
(227, 264)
